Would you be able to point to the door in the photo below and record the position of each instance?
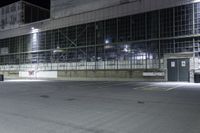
(178, 70)
(184, 69)
(172, 66)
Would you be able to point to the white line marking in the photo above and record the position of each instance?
(142, 87)
(173, 88)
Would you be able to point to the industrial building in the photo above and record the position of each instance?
(135, 39)
(21, 12)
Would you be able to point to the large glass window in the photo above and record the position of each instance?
(138, 25)
(72, 36)
(100, 32)
(166, 46)
(153, 55)
(111, 30)
(124, 56)
(81, 35)
(124, 29)
(13, 45)
(34, 41)
(184, 45)
(100, 57)
(184, 20)
(42, 41)
(100, 53)
(71, 55)
(197, 18)
(81, 59)
(63, 38)
(153, 24)
(90, 34)
(54, 39)
(111, 56)
(82, 54)
(26, 43)
(48, 56)
(197, 47)
(107, 44)
(48, 39)
(91, 56)
(13, 59)
(166, 22)
(139, 55)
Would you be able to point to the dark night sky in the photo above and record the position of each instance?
(43, 3)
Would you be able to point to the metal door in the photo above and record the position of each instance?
(178, 70)
(184, 69)
(172, 66)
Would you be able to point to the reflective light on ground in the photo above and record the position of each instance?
(177, 83)
(25, 80)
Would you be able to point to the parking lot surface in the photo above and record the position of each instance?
(41, 106)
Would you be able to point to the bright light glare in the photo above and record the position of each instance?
(141, 56)
(177, 83)
(126, 49)
(33, 30)
(107, 41)
(25, 80)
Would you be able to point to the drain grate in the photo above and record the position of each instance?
(44, 96)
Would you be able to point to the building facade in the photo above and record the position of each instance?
(137, 39)
(19, 13)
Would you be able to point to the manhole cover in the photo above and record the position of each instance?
(44, 96)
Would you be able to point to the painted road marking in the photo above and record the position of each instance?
(153, 88)
(156, 88)
(142, 87)
(115, 84)
(173, 88)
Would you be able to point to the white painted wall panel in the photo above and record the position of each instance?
(39, 74)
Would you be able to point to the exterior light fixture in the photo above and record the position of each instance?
(34, 30)
(107, 41)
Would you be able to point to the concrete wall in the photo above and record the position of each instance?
(78, 70)
(135, 75)
(62, 8)
(10, 74)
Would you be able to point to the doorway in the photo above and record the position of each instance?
(178, 69)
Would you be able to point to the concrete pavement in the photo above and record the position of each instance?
(98, 107)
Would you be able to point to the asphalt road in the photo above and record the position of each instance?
(99, 107)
